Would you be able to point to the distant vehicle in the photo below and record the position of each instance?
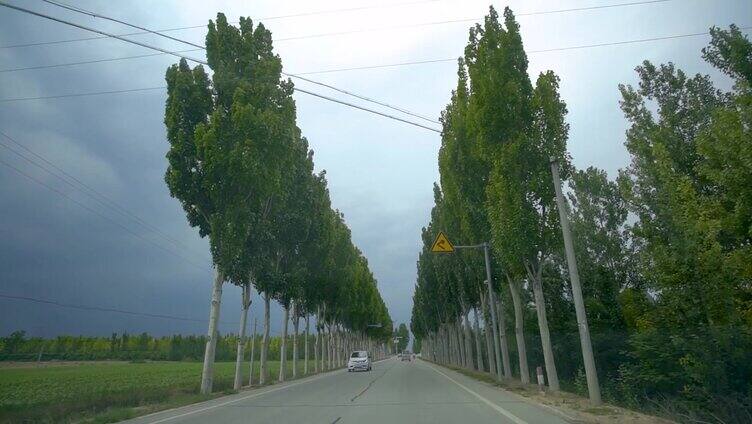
(359, 360)
(406, 355)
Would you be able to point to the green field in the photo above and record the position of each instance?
(107, 391)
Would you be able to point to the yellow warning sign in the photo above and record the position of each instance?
(442, 244)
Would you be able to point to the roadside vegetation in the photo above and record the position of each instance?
(106, 391)
(244, 174)
(663, 249)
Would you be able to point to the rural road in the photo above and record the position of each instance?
(394, 392)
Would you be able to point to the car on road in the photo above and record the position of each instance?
(359, 360)
(406, 355)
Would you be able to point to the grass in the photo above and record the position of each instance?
(572, 404)
(100, 392)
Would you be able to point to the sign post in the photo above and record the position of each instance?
(443, 245)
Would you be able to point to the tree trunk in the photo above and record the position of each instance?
(503, 337)
(264, 371)
(207, 374)
(338, 346)
(460, 342)
(540, 309)
(253, 352)
(295, 323)
(477, 342)
(471, 364)
(329, 342)
(246, 303)
(519, 330)
(283, 346)
(305, 344)
(317, 342)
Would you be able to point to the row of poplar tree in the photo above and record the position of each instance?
(245, 177)
(664, 251)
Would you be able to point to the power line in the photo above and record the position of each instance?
(359, 96)
(89, 191)
(391, 65)
(555, 49)
(365, 109)
(91, 93)
(101, 215)
(377, 66)
(399, 109)
(88, 62)
(452, 21)
(102, 309)
(456, 21)
(96, 15)
(196, 60)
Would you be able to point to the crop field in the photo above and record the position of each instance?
(107, 391)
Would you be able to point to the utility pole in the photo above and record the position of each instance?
(492, 307)
(443, 245)
(492, 302)
(591, 373)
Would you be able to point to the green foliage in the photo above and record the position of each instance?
(244, 174)
(404, 334)
(663, 252)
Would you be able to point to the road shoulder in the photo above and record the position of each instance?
(566, 406)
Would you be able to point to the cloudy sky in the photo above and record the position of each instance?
(134, 251)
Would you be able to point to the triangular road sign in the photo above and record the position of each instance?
(442, 244)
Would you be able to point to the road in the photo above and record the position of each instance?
(394, 392)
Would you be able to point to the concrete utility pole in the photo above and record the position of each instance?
(587, 347)
(492, 307)
(491, 302)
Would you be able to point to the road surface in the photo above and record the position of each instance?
(394, 392)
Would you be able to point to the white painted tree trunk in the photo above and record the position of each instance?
(460, 342)
(329, 347)
(540, 309)
(323, 347)
(338, 347)
(469, 343)
(295, 323)
(519, 331)
(253, 352)
(283, 346)
(246, 303)
(305, 344)
(317, 342)
(207, 374)
(263, 368)
(501, 318)
(481, 367)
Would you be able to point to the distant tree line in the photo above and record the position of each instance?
(664, 250)
(131, 347)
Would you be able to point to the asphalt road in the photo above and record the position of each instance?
(394, 392)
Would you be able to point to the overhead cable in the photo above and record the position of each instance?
(349, 93)
(301, 37)
(103, 309)
(200, 61)
(56, 171)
